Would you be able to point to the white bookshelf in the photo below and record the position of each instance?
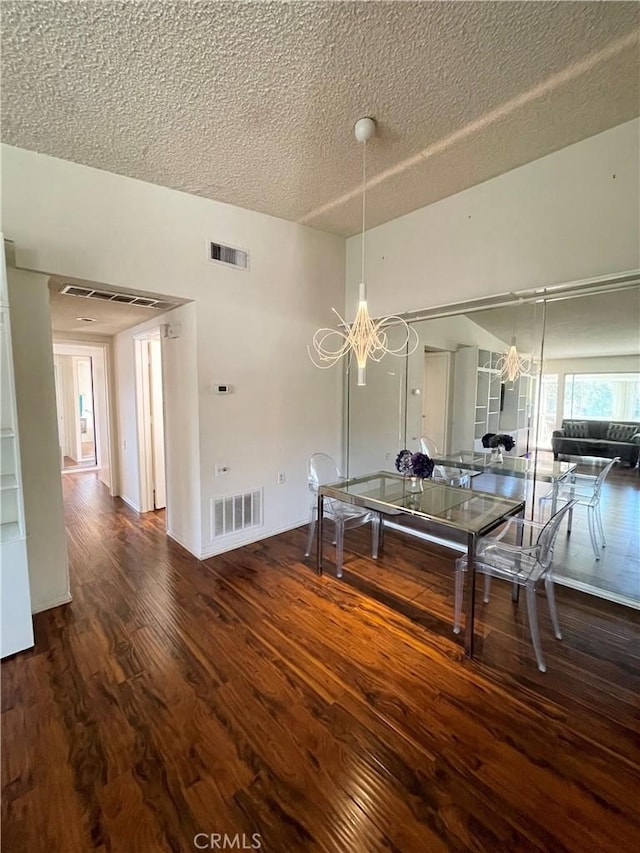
(477, 399)
(17, 628)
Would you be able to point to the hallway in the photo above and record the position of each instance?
(246, 695)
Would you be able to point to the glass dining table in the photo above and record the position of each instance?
(462, 513)
(523, 467)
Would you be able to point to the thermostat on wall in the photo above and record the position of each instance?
(224, 389)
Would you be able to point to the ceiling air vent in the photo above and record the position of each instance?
(228, 255)
(123, 298)
(72, 290)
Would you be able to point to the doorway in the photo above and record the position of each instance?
(82, 401)
(435, 398)
(76, 411)
(151, 447)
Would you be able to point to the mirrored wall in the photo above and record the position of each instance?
(577, 401)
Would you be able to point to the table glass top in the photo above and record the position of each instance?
(462, 509)
(511, 466)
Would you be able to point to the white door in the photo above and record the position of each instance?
(157, 424)
(59, 407)
(435, 398)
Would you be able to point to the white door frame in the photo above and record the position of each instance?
(144, 417)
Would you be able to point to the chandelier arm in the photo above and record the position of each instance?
(324, 351)
(410, 333)
(365, 337)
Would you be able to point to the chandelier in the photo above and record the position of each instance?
(511, 363)
(365, 338)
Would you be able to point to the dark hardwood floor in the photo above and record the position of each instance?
(247, 695)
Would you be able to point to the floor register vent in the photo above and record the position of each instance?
(235, 513)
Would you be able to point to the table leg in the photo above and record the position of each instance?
(470, 609)
(554, 497)
(319, 535)
(571, 496)
(380, 533)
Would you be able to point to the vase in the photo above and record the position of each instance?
(414, 491)
(496, 454)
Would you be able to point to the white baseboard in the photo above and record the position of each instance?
(182, 544)
(55, 602)
(129, 503)
(223, 547)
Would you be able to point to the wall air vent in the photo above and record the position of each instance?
(235, 513)
(229, 256)
(122, 298)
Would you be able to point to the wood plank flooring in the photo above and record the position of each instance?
(246, 695)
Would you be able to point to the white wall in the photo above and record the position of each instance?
(252, 327)
(38, 430)
(602, 364)
(561, 218)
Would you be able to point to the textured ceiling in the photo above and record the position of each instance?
(254, 103)
(111, 318)
(583, 327)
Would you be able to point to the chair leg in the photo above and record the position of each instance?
(376, 524)
(600, 527)
(592, 531)
(457, 601)
(339, 547)
(551, 601)
(487, 588)
(533, 626)
(312, 530)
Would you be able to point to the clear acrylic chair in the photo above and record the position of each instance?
(442, 473)
(585, 490)
(322, 469)
(523, 565)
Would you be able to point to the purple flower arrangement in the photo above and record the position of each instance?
(414, 464)
(491, 440)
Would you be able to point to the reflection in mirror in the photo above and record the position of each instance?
(589, 415)
(448, 391)
(583, 377)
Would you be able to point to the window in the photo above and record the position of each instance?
(548, 409)
(602, 396)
